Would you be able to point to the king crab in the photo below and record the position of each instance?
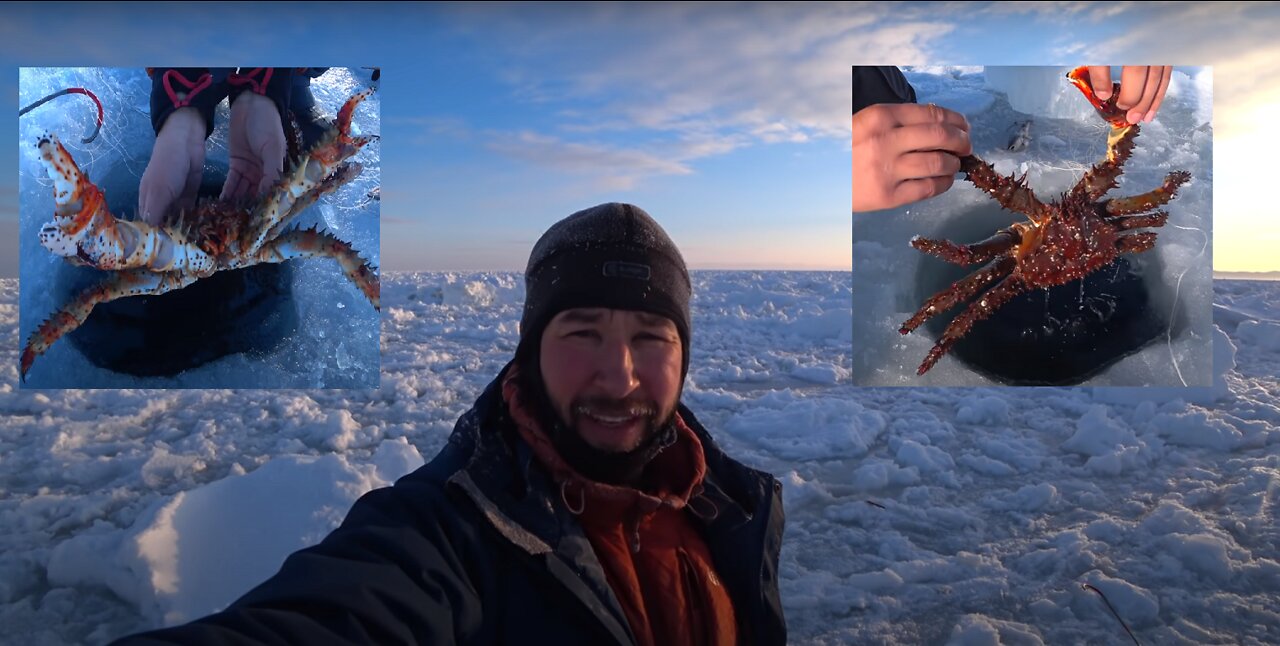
(188, 246)
(1063, 241)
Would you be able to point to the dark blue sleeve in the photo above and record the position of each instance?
(881, 84)
(180, 87)
(391, 573)
(275, 83)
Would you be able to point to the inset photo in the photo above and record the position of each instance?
(199, 227)
(1032, 226)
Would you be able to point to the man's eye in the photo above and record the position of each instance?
(583, 334)
(649, 336)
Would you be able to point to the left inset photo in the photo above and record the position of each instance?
(199, 227)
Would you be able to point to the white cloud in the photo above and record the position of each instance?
(1237, 39)
(613, 168)
(691, 81)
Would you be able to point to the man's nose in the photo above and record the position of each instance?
(615, 373)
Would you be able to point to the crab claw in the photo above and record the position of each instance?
(323, 161)
(1079, 77)
(84, 231)
(340, 145)
(79, 206)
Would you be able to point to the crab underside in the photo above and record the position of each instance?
(215, 236)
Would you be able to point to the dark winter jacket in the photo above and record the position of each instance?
(885, 84)
(477, 547)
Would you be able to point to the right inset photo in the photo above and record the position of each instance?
(1032, 226)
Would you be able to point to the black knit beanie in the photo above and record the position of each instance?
(613, 256)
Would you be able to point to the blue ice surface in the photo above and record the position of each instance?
(337, 341)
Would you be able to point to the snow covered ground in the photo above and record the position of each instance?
(336, 345)
(930, 515)
(892, 280)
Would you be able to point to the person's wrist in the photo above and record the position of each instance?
(184, 123)
(248, 100)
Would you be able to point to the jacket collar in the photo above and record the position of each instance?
(499, 464)
(524, 505)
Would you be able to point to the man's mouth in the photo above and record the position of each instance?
(614, 417)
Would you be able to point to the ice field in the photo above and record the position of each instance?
(965, 516)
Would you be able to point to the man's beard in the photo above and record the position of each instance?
(613, 467)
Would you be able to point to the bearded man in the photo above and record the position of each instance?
(578, 501)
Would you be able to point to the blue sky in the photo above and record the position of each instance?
(728, 124)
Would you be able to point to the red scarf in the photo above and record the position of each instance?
(653, 555)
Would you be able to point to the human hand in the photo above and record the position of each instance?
(172, 176)
(1141, 89)
(905, 152)
(257, 146)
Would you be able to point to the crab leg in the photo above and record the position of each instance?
(84, 229)
(1125, 223)
(960, 292)
(1151, 199)
(978, 310)
(1102, 177)
(970, 254)
(1011, 192)
(307, 243)
(136, 282)
(345, 173)
(320, 163)
(1136, 242)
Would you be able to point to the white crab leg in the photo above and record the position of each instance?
(312, 171)
(83, 228)
(344, 174)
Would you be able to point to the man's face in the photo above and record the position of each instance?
(612, 375)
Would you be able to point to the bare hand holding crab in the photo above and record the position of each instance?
(904, 153)
(173, 173)
(257, 147)
(1142, 89)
